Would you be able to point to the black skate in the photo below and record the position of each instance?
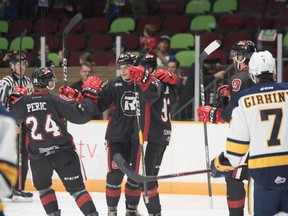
(133, 213)
(21, 196)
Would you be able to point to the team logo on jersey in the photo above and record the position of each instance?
(236, 85)
(280, 180)
(128, 103)
(118, 84)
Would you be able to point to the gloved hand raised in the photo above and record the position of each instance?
(17, 93)
(209, 114)
(141, 76)
(70, 93)
(166, 77)
(91, 86)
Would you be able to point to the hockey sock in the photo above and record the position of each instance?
(85, 203)
(49, 201)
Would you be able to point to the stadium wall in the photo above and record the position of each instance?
(186, 152)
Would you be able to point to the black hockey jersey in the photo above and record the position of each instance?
(121, 96)
(156, 117)
(43, 114)
(238, 83)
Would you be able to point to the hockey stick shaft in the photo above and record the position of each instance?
(207, 51)
(73, 22)
(140, 133)
(128, 170)
(23, 34)
(131, 173)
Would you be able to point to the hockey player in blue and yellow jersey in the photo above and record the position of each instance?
(8, 169)
(259, 126)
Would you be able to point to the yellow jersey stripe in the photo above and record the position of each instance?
(235, 147)
(9, 171)
(263, 162)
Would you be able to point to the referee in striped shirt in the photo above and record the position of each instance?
(18, 67)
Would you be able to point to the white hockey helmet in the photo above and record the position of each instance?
(261, 63)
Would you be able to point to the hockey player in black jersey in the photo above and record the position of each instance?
(51, 146)
(240, 55)
(7, 84)
(119, 93)
(156, 124)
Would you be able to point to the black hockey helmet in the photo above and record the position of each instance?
(127, 58)
(149, 61)
(244, 48)
(15, 58)
(42, 76)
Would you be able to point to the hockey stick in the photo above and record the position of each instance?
(128, 170)
(23, 34)
(207, 51)
(73, 22)
(140, 133)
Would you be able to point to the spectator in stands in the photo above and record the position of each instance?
(123, 49)
(149, 39)
(60, 56)
(85, 71)
(212, 70)
(31, 10)
(10, 10)
(86, 57)
(139, 8)
(48, 62)
(111, 10)
(6, 59)
(163, 51)
(173, 66)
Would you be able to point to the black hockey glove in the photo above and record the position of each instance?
(220, 166)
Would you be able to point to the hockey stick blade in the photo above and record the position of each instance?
(77, 18)
(128, 170)
(209, 49)
(141, 56)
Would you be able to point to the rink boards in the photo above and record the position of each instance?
(186, 152)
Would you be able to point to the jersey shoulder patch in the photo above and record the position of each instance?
(236, 84)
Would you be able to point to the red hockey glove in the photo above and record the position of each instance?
(223, 91)
(166, 77)
(141, 76)
(70, 93)
(17, 93)
(91, 86)
(209, 114)
(220, 167)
